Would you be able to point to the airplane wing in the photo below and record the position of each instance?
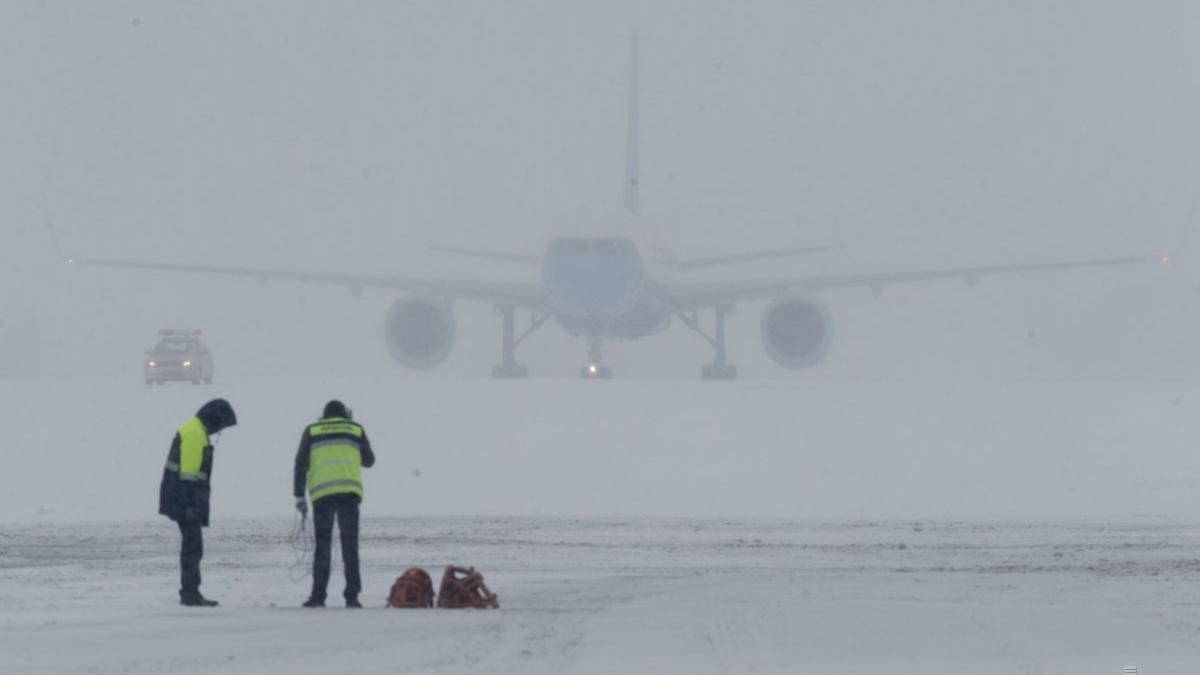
(530, 295)
(694, 296)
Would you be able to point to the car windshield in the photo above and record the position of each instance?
(177, 345)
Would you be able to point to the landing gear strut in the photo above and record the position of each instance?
(509, 341)
(720, 368)
(595, 369)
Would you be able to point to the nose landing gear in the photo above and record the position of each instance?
(595, 369)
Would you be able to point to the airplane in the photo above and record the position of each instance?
(603, 288)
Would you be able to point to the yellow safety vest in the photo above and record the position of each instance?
(193, 438)
(335, 460)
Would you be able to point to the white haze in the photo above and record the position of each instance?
(323, 137)
(348, 137)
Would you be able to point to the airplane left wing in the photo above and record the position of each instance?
(695, 296)
(528, 295)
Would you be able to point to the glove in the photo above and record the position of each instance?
(302, 506)
(189, 515)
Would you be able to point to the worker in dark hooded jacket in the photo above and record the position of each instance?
(184, 491)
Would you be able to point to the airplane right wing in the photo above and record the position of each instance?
(686, 296)
(527, 295)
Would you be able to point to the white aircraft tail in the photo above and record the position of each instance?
(632, 201)
(661, 251)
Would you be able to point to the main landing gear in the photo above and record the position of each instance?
(720, 368)
(509, 341)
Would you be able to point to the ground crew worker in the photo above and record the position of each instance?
(184, 491)
(329, 462)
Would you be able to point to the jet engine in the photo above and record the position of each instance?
(420, 331)
(797, 331)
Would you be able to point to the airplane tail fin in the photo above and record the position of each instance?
(662, 251)
(632, 197)
(658, 244)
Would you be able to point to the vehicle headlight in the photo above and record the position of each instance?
(187, 364)
(151, 364)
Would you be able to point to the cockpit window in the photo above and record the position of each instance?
(569, 246)
(615, 246)
(606, 247)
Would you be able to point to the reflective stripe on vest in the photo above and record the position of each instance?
(192, 441)
(335, 461)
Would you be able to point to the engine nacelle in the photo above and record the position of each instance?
(797, 331)
(419, 331)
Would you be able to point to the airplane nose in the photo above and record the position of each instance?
(593, 287)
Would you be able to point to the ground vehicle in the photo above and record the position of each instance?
(179, 356)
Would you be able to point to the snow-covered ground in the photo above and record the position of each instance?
(628, 527)
(619, 596)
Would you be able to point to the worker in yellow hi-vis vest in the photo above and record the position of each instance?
(329, 465)
(184, 491)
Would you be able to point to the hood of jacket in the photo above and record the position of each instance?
(216, 415)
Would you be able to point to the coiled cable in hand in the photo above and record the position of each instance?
(301, 540)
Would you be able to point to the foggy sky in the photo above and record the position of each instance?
(349, 136)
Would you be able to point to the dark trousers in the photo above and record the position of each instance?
(190, 553)
(343, 507)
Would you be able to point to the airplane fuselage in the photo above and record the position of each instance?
(599, 287)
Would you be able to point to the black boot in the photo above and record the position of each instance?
(195, 600)
(353, 603)
(314, 602)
